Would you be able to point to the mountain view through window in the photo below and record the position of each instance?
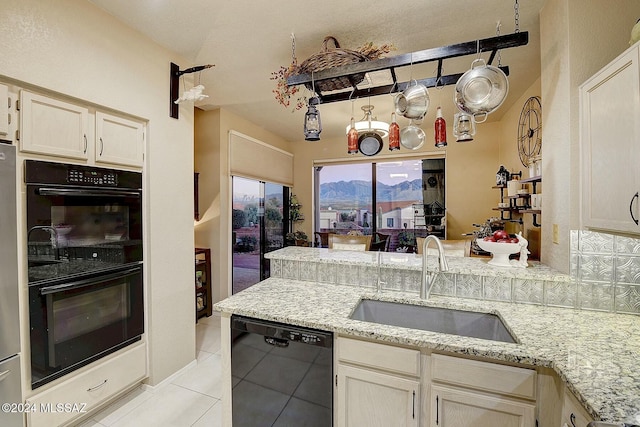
(401, 199)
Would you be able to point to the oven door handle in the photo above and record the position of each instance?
(46, 290)
(48, 191)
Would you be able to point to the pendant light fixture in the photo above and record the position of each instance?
(312, 122)
(369, 123)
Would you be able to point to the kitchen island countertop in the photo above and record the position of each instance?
(594, 353)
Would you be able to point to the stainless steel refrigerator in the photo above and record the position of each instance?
(10, 383)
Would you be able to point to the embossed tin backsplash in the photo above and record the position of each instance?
(604, 276)
(606, 269)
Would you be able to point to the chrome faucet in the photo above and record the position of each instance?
(54, 237)
(429, 277)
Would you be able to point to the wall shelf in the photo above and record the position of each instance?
(203, 297)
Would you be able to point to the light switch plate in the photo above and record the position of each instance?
(555, 234)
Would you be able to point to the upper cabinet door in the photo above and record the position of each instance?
(50, 126)
(4, 112)
(119, 140)
(610, 145)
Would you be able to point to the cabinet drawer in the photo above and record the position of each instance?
(90, 388)
(379, 356)
(508, 380)
(573, 413)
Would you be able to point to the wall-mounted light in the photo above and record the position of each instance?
(312, 123)
(194, 93)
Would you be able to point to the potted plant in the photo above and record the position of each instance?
(406, 241)
(297, 238)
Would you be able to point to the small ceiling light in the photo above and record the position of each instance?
(369, 124)
(312, 123)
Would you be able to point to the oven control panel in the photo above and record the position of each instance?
(37, 172)
(92, 177)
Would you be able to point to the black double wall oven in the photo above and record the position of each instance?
(84, 247)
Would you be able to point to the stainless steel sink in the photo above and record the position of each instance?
(435, 319)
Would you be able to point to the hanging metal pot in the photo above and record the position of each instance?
(481, 90)
(370, 143)
(413, 102)
(412, 136)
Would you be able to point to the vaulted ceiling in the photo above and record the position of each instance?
(247, 40)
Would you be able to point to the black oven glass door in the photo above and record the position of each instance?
(76, 322)
(72, 230)
(81, 219)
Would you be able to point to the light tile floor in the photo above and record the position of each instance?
(192, 399)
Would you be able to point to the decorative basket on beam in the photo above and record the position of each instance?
(332, 57)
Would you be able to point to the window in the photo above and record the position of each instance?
(406, 196)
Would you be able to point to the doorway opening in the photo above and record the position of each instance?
(259, 221)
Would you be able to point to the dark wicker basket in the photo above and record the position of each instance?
(332, 57)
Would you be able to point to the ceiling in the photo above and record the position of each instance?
(247, 40)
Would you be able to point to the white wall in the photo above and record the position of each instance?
(578, 37)
(74, 48)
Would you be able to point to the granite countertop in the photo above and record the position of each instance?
(594, 353)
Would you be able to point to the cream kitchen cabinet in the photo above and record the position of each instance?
(53, 127)
(609, 135)
(60, 128)
(5, 118)
(376, 384)
(119, 140)
(85, 392)
(573, 414)
(454, 407)
(480, 394)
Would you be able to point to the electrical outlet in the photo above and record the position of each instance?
(556, 240)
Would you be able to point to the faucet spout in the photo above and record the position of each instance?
(427, 277)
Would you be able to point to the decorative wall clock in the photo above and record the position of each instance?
(530, 130)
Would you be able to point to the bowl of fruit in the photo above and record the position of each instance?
(501, 245)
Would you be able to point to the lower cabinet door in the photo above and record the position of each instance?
(573, 414)
(451, 407)
(11, 393)
(370, 398)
